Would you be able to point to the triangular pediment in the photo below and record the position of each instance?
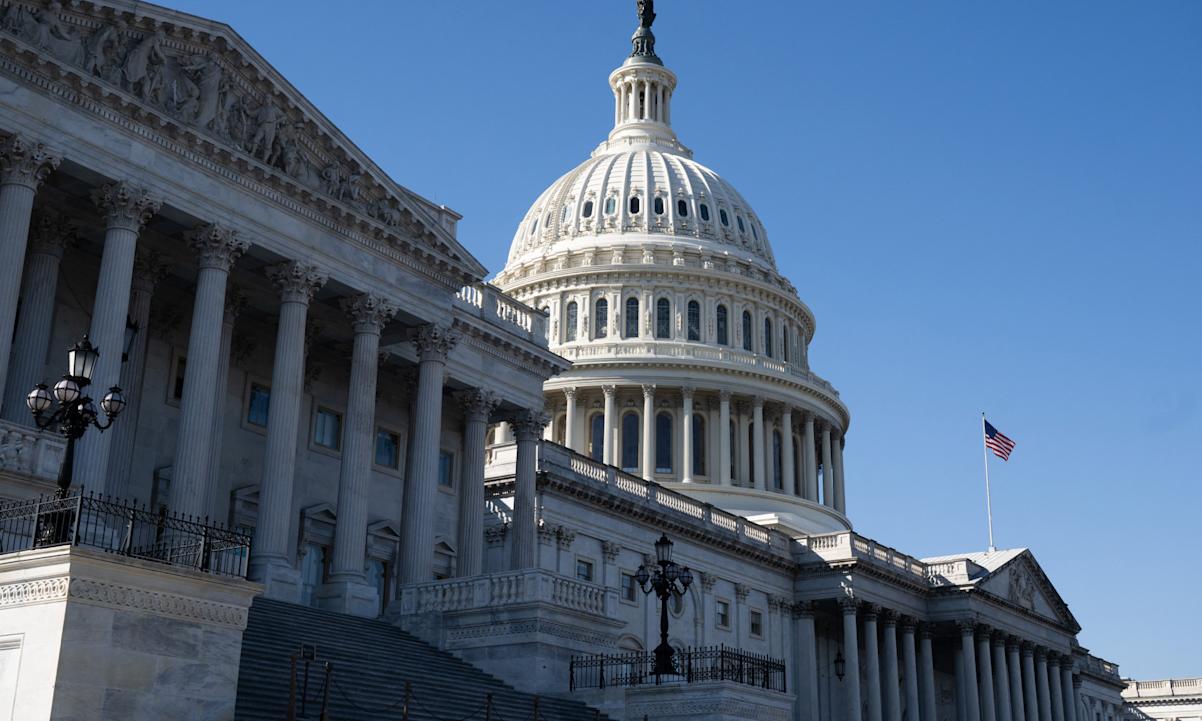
(1021, 581)
(202, 88)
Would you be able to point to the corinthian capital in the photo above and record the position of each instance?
(297, 282)
(477, 404)
(369, 313)
(216, 246)
(126, 205)
(435, 342)
(529, 425)
(149, 269)
(25, 162)
(50, 233)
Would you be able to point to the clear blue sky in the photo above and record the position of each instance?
(989, 206)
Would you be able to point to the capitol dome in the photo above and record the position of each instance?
(690, 350)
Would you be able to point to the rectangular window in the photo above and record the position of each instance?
(388, 449)
(257, 405)
(629, 588)
(327, 429)
(722, 613)
(756, 622)
(446, 469)
(584, 570)
(177, 380)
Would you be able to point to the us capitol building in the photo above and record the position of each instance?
(348, 478)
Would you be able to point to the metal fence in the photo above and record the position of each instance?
(123, 528)
(707, 663)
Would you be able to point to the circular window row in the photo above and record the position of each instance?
(635, 206)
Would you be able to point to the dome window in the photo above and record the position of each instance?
(723, 217)
(768, 337)
(534, 227)
(659, 205)
(570, 322)
(739, 220)
(631, 318)
(753, 233)
(563, 215)
(722, 325)
(747, 331)
(601, 319)
(682, 208)
(635, 206)
(694, 318)
(611, 204)
(587, 212)
(705, 212)
(663, 318)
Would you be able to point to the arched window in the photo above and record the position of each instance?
(658, 205)
(699, 445)
(768, 337)
(663, 442)
(570, 321)
(739, 220)
(751, 453)
(734, 436)
(601, 319)
(630, 441)
(631, 318)
(705, 212)
(663, 318)
(682, 208)
(587, 211)
(596, 437)
(694, 314)
(777, 477)
(723, 217)
(634, 205)
(784, 343)
(747, 341)
(611, 204)
(721, 322)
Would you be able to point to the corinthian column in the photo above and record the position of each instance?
(126, 209)
(47, 241)
(1030, 695)
(526, 429)
(1018, 707)
(985, 668)
(910, 669)
(269, 563)
(926, 655)
(235, 301)
(828, 470)
(757, 444)
(477, 405)
(786, 451)
(872, 663)
(1055, 693)
(1001, 680)
(807, 642)
(851, 645)
(347, 590)
(811, 461)
(890, 678)
(607, 424)
(972, 702)
(433, 343)
(24, 164)
(648, 431)
(569, 420)
(724, 437)
(837, 451)
(1041, 685)
(217, 248)
(1066, 688)
(686, 452)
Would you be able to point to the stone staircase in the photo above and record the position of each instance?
(372, 661)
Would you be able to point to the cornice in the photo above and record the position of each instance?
(524, 355)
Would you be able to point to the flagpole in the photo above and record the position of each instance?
(988, 497)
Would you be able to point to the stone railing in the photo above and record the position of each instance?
(1101, 666)
(510, 588)
(28, 452)
(851, 546)
(1165, 688)
(487, 302)
(583, 469)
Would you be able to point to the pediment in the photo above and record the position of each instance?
(1022, 582)
(199, 85)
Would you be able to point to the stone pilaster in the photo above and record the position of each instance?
(526, 430)
(477, 406)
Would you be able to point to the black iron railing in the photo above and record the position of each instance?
(123, 528)
(708, 663)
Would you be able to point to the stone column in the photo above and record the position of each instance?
(811, 461)
(1041, 685)
(217, 248)
(433, 343)
(347, 590)
(890, 681)
(828, 474)
(270, 563)
(686, 447)
(985, 675)
(24, 164)
(807, 692)
(1030, 697)
(1001, 679)
(477, 405)
(872, 663)
(648, 431)
(724, 448)
(525, 496)
(789, 479)
(1055, 693)
(607, 443)
(851, 651)
(149, 269)
(235, 301)
(1017, 705)
(910, 670)
(1078, 711)
(926, 656)
(742, 424)
(961, 688)
(126, 209)
(569, 420)
(47, 241)
(972, 703)
(757, 443)
(837, 451)
(1066, 688)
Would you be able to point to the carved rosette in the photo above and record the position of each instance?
(529, 425)
(368, 313)
(125, 205)
(216, 246)
(435, 342)
(477, 404)
(149, 269)
(50, 233)
(297, 282)
(25, 162)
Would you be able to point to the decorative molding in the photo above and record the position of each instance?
(435, 342)
(25, 161)
(161, 604)
(28, 593)
(369, 313)
(297, 282)
(216, 246)
(126, 206)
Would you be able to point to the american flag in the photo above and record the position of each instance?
(997, 442)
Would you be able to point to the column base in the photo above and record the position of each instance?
(280, 580)
(351, 596)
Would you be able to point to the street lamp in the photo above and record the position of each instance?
(75, 411)
(667, 581)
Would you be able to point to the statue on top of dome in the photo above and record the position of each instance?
(643, 40)
(646, 10)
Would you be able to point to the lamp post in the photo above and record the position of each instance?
(666, 581)
(75, 411)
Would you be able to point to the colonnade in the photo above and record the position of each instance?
(640, 99)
